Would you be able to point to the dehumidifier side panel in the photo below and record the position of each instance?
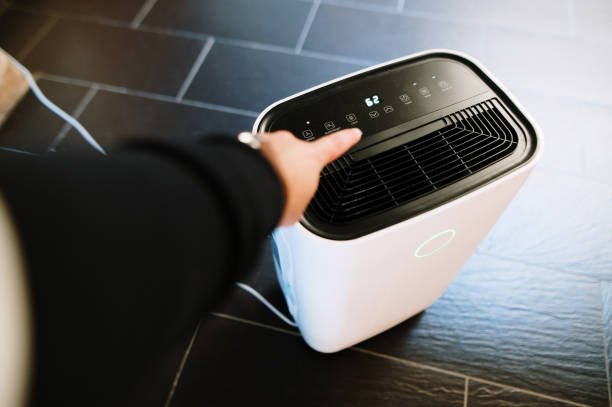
(383, 279)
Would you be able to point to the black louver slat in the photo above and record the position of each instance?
(472, 139)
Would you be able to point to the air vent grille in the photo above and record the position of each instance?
(471, 140)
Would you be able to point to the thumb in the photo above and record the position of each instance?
(331, 147)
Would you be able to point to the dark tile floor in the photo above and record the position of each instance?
(529, 319)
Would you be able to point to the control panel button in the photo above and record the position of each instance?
(424, 91)
(307, 134)
(373, 114)
(404, 98)
(444, 85)
(351, 118)
(329, 125)
(388, 109)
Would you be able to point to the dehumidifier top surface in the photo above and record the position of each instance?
(435, 127)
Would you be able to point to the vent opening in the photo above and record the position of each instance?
(470, 141)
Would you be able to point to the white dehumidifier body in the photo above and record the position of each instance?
(445, 149)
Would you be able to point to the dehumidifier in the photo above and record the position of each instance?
(445, 148)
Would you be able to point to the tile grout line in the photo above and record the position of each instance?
(149, 95)
(338, 3)
(605, 343)
(37, 37)
(179, 371)
(258, 324)
(73, 17)
(273, 48)
(485, 253)
(529, 392)
(400, 5)
(143, 13)
(465, 392)
(15, 150)
(93, 90)
(407, 362)
(473, 378)
(195, 68)
(306, 29)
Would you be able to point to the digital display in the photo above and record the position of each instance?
(377, 101)
(371, 101)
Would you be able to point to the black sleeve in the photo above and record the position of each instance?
(125, 252)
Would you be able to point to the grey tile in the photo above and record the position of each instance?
(112, 118)
(277, 22)
(234, 364)
(547, 16)
(485, 395)
(153, 387)
(567, 67)
(18, 28)
(252, 78)
(117, 56)
(522, 326)
(32, 127)
(577, 135)
(374, 36)
(389, 5)
(593, 19)
(606, 291)
(116, 9)
(559, 222)
(525, 326)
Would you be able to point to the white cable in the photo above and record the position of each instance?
(265, 302)
(53, 107)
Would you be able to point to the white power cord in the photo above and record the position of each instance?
(265, 302)
(94, 144)
(53, 107)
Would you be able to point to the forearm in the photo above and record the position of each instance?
(125, 252)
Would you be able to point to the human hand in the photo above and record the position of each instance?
(298, 164)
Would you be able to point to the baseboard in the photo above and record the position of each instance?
(12, 86)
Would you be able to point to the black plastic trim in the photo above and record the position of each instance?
(524, 151)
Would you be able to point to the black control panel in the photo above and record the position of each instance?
(377, 101)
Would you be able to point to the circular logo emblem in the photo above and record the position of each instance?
(435, 243)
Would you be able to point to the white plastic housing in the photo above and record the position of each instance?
(341, 292)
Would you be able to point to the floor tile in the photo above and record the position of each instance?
(548, 16)
(593, 19)
(381, 36)
(252, 78)
(32, 127)
(117, 56)
(606, 290)
(278, 22)
(115, 9)
(153, 387)
(523, 326)
(232, 363)
(500, 320)
(550, 64)
(577, 135)
(18, 28)
(113, 117)
(373, 4)
(488, 395)
(558, 222)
